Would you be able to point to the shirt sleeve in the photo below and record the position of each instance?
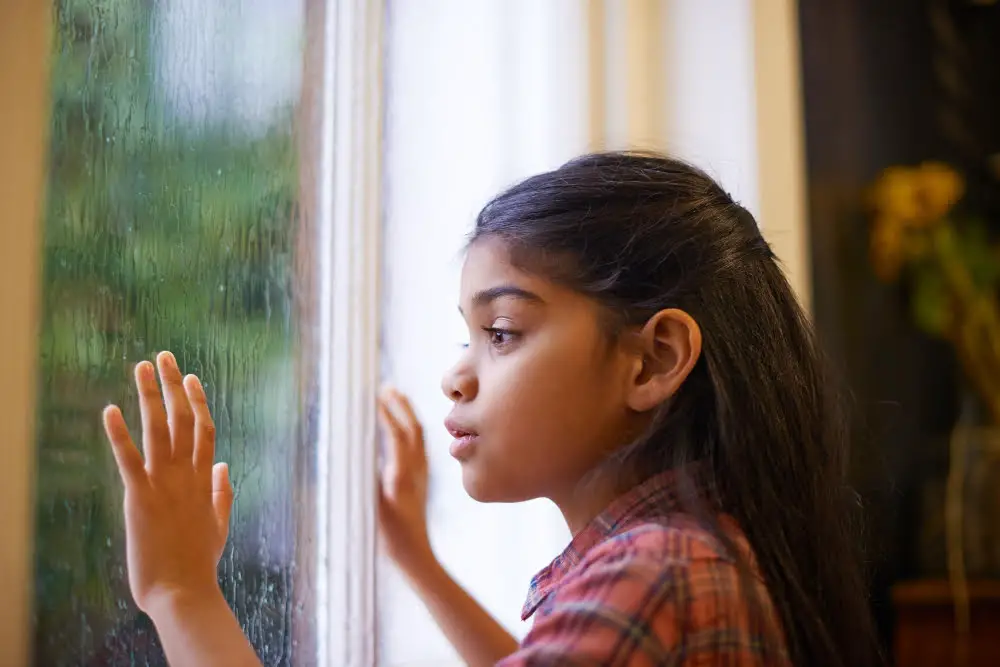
(620, 612)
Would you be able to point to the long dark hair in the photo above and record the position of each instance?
(760, 412)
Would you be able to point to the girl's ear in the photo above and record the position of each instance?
(669, 347)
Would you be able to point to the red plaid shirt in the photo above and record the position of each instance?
(644, 584)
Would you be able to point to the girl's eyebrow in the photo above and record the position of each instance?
(491, 294)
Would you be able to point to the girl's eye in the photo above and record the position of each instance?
(500, 338)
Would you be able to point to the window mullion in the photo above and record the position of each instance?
(349, 268)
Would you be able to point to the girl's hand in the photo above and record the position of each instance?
(402, 510)
(177, 503)
(402, 520)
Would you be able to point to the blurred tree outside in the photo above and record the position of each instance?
(159, 234)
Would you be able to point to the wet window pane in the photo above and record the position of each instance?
(172, 221)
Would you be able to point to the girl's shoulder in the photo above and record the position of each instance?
(659, 587)
(674, 559)
(668, 541)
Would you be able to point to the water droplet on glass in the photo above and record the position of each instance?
(136, 230)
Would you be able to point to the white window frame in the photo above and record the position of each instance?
(350, 225)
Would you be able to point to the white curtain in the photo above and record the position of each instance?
(478, 95)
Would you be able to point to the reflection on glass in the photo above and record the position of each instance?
(172, 216)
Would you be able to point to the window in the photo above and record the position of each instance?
(211, 179)
(179, 215)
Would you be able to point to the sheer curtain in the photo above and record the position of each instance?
(478, 94)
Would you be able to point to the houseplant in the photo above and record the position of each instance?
(925, 238)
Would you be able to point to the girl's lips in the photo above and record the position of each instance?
(457, 429)
(462, 447)
(464, 439)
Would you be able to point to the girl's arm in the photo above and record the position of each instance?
(177, 506)
(477, 636)
(201, 630)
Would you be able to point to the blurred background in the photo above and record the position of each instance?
(160, 168)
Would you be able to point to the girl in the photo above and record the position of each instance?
(637, 357)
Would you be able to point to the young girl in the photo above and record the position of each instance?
(637, 357)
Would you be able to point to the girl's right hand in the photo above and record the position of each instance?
(177, 501)
(402, 509)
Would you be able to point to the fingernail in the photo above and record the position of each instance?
(199, 387)
(145, 370)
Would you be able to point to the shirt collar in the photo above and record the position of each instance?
(656, 497)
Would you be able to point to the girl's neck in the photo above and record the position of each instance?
(584, 501)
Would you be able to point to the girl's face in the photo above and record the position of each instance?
(540, 396)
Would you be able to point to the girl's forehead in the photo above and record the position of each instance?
(487, 266)
(488, 273)
(487, 262)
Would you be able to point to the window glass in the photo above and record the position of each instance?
(173, 222)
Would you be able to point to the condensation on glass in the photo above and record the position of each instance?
(177, 208)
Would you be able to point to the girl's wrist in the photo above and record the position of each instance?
(426, 576)
(420, 565)
(176, 603)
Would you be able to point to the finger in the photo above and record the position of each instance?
(222, 496)
(179, 414)
(204, 426)
(155, 432)
(409, 420)
(389, 480)
(397, 434)
(388, 493)
(383, 508)
(127, 457)
(384, 502)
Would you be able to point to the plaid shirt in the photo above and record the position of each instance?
(644, 584)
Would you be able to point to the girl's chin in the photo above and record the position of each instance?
(477, 487)
(483, 489)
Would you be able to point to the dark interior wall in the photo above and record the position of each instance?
(889, 82)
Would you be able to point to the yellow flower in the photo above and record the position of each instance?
(917, 196)
(887, 247)
(940, 188)
(897, 194)
(907, 201)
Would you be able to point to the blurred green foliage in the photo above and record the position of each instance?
(157, 236)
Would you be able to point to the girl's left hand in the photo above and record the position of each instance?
(177, 503)
(402, 506)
